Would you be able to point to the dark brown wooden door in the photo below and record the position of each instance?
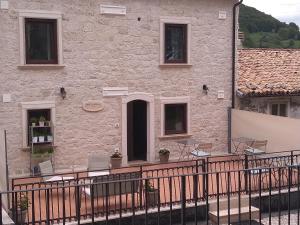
(137, 130)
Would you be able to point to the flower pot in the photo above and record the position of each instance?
(34, 139)
(115, 162)
(41, 123)
(41, 139)
(152, 198)
(33, 124)
(164, 158)
(19, 216)
(49, 138)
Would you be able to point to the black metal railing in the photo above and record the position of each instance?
(130, 198)
(209, 164)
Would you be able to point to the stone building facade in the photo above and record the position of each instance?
(110, 61)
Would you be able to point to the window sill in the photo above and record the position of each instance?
(183, 65)
(175, 136)
(41, 66)
(28, 148)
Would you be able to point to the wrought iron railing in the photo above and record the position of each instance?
(129, 196)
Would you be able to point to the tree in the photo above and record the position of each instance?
(292, 44)
(262, 30)
(295, 26)
(284, 33)
(248, 42)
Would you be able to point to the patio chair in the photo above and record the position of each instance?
(257, 152)
(261, 145)
(98, 165)
(202, 150)
(47, 173)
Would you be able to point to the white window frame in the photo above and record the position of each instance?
(278, 102)
(175, 20)
(39, 15)
(174, 100)
(34, 106)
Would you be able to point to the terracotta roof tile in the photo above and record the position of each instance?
(268, 72)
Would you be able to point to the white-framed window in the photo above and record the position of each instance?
(175, 116)
(175, 41)
(280, 108)
(40, 38)
(32, 112)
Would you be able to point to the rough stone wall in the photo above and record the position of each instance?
(261, 105)
(115, 51)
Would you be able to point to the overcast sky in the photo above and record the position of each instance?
(284, 10)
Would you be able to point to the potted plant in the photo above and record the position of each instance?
(41, 154)
(42, 121)
(41, 137)
(49, 138)
(33, 121)
(20, 212)
(48, 150)
(34, 137)
(116, 160)
(164, 154)
(151, 194)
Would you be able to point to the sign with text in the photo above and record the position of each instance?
(92, 106)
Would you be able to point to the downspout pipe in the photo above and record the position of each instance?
(233, 73)
(234, 50)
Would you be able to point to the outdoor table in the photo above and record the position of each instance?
(200, 153)
(254, 151)
(98, 173)
(241, 143)
(189, 146)
(94, 174)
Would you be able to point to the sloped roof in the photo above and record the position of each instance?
(268, 72)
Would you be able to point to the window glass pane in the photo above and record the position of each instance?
(275, 109)
(175, 118)
(40, 40)
(283, 110)
(175, 42)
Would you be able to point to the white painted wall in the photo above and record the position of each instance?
(283, 134)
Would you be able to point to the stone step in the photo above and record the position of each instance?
(234, 215)
(235, 202)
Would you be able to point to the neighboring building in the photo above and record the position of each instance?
(108, 75)
(269, 81)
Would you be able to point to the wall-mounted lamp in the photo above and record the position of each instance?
(205, 89)
(63, 92)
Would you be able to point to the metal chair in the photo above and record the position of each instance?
(47, 173)
(260, 144)
(98, 165)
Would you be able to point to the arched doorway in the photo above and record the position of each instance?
(138, 127)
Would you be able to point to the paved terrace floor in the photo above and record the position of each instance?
(169, 188)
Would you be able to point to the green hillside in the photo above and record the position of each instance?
(264, 31)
